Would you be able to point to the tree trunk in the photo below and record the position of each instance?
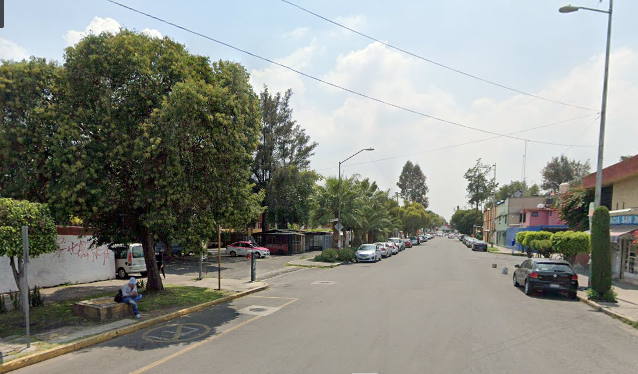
(18, 276)
(153, 282)
(335, 238)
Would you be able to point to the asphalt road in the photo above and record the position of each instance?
(434, 308)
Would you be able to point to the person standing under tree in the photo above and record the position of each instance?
(159, 258)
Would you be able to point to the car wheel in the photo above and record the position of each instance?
(143, 273)
(356, 260)
(281, 252)
(257, 254)
(528, 289)
(233, 254)
(121, 273)
(516, 284)
(572, 295)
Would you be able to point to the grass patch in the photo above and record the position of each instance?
(60, 314)
(493, 250)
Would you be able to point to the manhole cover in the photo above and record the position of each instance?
(259, 310)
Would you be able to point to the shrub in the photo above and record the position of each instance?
(544, 247)
(600, 255)
(570, 243)
(36, 298)
(609, 296)
(520, 237)
(328, 255)
(346, 255)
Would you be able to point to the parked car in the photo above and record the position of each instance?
(479, 245)
(542, 274)
(414, 240)
(407, 242)
(244, 248)
(129, 258)
(399, 242)
(394, 247)
(386, 250)
(451, 236)
(368, 252)
(469, 241)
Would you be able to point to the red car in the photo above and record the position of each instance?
(408, 243)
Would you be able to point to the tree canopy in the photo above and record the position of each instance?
(563, 170)
(464, 221)
(412, 184)
(280, 165)
(153, 140)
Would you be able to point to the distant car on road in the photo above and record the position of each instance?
(451, 236)
(368, 252)
(399, 242)
(543, 274)
(244, 248)
(479, 245)
(386, 249)
(414, 240)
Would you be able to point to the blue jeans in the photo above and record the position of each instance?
(132, 301)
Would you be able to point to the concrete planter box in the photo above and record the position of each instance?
(102, 309)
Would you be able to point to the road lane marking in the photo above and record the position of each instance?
(200, 343)
(176, 332)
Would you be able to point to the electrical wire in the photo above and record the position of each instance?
(472, 142)
(584, 131)
(332, 84)
(434, 62)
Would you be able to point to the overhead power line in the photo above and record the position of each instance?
(434, 62)
(335, 85)
(471, 142)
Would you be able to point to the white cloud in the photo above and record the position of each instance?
(152, 33)
(97, 26)
(11, 51)
(353, 22)
(297, 33)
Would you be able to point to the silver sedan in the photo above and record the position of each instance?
(368, 252)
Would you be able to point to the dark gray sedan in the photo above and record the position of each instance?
(543, 274)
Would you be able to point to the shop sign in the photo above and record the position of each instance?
(624, 220)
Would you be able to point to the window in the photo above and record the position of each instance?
(138, 252)
(534, 214)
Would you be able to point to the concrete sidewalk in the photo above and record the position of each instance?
(12, 347)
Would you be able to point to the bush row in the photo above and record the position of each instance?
(566, 243)
(336, 255)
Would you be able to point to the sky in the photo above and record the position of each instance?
(406, 105)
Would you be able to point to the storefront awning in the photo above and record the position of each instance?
(615, 232)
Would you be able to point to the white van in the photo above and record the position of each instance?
(129, 258)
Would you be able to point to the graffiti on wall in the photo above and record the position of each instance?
(82, 249)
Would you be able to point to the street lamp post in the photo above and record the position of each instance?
(339, 204)
(603, 111)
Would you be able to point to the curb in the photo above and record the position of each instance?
(330, 266)
(22, 362)
(607, 310)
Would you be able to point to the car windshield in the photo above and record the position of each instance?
(367, 247)
(550, 266)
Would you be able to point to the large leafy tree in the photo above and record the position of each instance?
(280, 166)
(414, 217)
(412, 184)
(573, 208)
(27, 94)
(509, 189)
(464, 220)
(479, 185)
(563, 170)
(155, 140)
(42, 234)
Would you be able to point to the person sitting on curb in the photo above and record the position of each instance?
(130, 295)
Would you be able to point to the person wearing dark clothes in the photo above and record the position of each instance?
(159, 258)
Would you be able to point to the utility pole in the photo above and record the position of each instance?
(493, 225)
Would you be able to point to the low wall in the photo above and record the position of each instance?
(75, 261)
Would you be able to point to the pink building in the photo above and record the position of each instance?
(540, 217)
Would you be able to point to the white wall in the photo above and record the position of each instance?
(74, 262)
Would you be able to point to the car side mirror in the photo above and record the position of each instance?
(517, 266)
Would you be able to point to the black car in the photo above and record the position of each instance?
(479, 245)
(543, 274)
